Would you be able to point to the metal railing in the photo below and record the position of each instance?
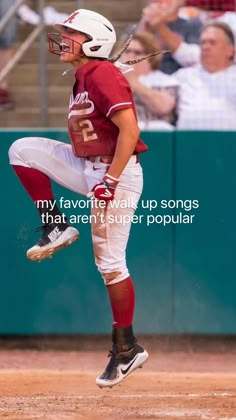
(11, 12)
(37, 33)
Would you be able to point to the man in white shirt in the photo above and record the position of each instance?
(207, 91)
(182, 38)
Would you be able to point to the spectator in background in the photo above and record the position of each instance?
(226, 17)
(7, 42)
(180, 36)
(154, 91)
(207, 92)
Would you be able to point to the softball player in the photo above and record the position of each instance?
(102, 161)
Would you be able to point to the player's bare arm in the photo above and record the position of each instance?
(129, 132)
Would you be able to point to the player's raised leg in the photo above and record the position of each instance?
(35, 161)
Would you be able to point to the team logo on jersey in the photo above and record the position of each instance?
(81, 105)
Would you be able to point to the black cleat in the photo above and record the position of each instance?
(55, 236)
(121, 365)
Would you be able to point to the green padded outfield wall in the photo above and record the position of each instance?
(205, 252)
(184, 273)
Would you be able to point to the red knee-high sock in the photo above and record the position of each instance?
(122, 300)
(36, 183)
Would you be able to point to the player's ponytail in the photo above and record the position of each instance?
(146, 57)
(138, 60)
(124, 48)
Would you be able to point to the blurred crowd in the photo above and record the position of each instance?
(191, 82)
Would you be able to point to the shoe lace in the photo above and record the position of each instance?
(114, 361)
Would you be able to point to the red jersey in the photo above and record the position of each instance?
(99, 91)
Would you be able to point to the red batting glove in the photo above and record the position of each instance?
(105, 190)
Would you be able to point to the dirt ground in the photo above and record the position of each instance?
(60, 384)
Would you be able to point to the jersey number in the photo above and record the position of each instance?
(88, 132)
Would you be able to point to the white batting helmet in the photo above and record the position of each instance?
(99, 29)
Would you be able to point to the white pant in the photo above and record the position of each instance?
(57, 160)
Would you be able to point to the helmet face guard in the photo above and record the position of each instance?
(57, 45)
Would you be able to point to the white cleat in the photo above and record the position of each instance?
(121, 365)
